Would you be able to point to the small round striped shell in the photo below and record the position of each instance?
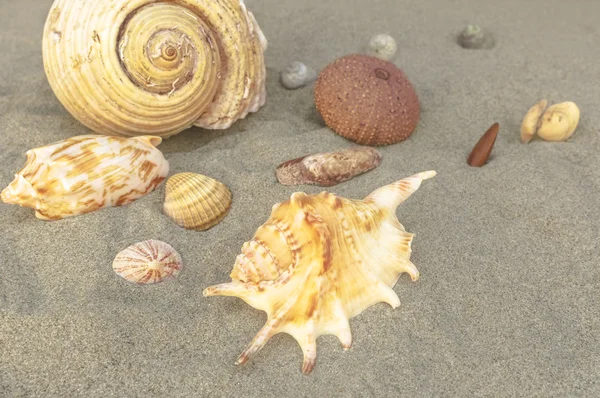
(148, 262)
(195, 201)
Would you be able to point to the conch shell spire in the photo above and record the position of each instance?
(320, 260)
(391, 196)
(20, 191)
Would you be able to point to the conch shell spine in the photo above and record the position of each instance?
(335, 258)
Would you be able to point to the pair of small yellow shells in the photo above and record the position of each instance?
(195, 201)
(557, 123)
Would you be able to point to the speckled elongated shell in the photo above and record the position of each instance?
(320, 260)
(138, 67)
(86, 173)
(195, 201)
(148, 262)
(329, 168)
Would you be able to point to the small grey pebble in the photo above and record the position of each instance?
(473, 37)
(297, 75)
(382, 46)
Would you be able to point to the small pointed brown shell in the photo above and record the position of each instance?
(483, 149)
(147, 262)
(195, 201)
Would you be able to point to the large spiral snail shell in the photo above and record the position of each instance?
(144, 67)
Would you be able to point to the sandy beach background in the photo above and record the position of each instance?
(508, 299)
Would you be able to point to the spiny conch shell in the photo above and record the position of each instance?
(328, 169)
(87, 173)
(320, 260)
(195, 201)
(147, 262)
(297, 75)
(382, 46)
(136, 67)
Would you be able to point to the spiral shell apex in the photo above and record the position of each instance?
(195, 201)
(148, 262)
(320, 260)
(135, 67)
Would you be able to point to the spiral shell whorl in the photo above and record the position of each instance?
(132, 67)
(163, 57)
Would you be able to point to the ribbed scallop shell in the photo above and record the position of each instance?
(195, 201)
(87, 173)
(148, 262)
(320, 260)
(135, 67)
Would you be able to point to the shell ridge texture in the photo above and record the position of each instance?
(195, 201)
(147, 262)
(342, 256)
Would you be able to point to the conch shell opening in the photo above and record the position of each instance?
(320, 260)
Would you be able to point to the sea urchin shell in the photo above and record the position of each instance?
(148, 262)
(320, 260)
(367, 100)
